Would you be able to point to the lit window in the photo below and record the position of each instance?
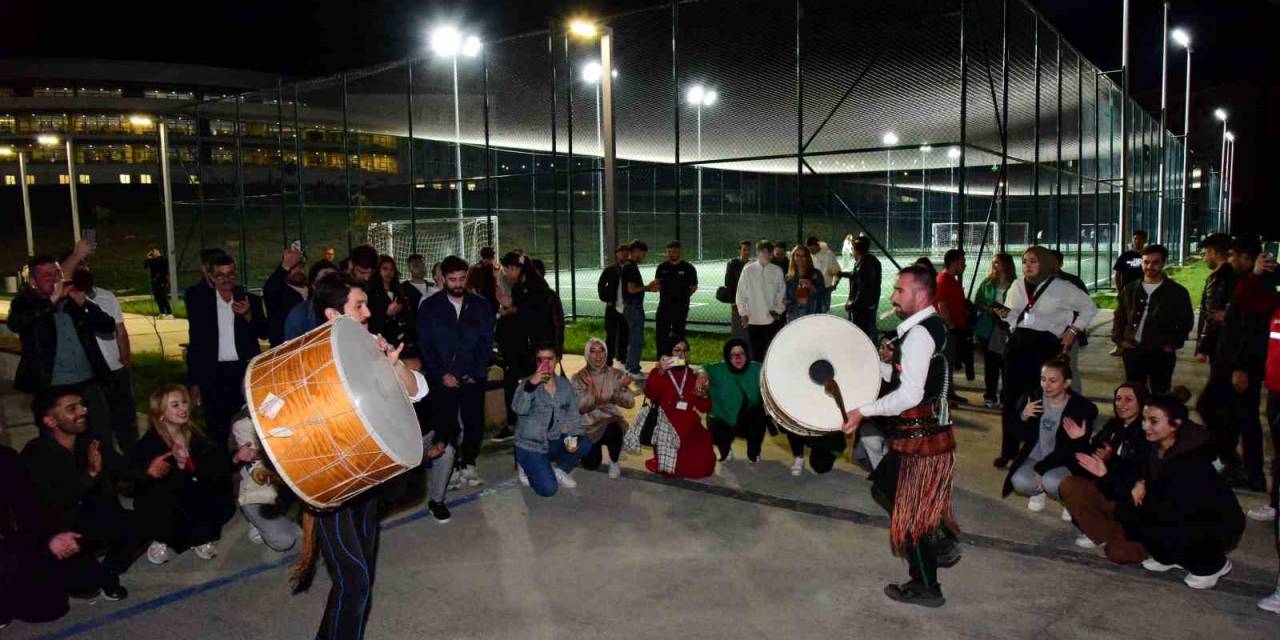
(193, 180)
(63, 179)
(160, 94)
(31, 180)
(84, 178)
(10, 180)
(144, 178)
(99, 93)
(125, 178)
(53, 92)
(471, 186)
(437, 186)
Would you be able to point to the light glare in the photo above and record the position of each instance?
(583, 28)
(471, 46)
(890, 138)
(47, 140)
(1181, 37)
(695, 94)
(1220, 114)
(953, 153)
(445, 41)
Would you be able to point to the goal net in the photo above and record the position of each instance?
(1104, 233)
(435, 239)
(946, 235)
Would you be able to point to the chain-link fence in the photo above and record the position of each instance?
(924, 124)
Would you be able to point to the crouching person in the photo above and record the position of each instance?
(549, 435)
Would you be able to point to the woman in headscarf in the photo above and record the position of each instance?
(736, 405)
(681, 392)
(603, 392)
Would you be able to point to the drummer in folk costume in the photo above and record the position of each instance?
(348, 535)
(914, 480)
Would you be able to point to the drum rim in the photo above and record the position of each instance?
(790, 423)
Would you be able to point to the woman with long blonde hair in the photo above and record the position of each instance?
(182, 480)
(805, 284)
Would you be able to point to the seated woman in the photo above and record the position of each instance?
(548, 426)
(182, 481)
(736, 406)
(1055, 426)
(682, 395)
(262, 504)
(1171, 509)
(603, 392)
(1120, 440)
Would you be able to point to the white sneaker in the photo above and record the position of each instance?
(472, 476)
(206, 551)
(1272, 602)
(1151, 564)
(1262, 513)
(1209, 581)
(158, 553)
(524, 479)
(564, 480)
(1084, 542)
(615, 470)
(455, 481)
(797, 467)
(1066, 515)
(1036, 503)
(255, 536)
(728, 457)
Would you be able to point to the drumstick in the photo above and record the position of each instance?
(833, 390)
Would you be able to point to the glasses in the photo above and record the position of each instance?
(219, 275)
(546, 359)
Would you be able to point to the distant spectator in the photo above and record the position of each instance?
(780, 254)
(1152, 321)
(824, 260)
(328, 254)
(864, 288)
(284, 290)
(633, 306)
(761, 299)
(609, 290)
(482, 279)
(399, 311)
(1215, 295)
(805, 285)
(302, 317)
(925, 262)
(158, 266)
(732, 273)
(953, 307)
(676, 281)
(1128, 267)
(992, 332)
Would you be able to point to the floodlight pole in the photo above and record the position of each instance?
(457, 155)
(1222, 180)
(600, 176)
(1164, 116)
(698, 170)
(1186, 171)
(26, 202)
(71, 182)
(610, 148)
(1231, 179)
(166, 189)
(1123, 226)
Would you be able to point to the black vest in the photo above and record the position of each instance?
(935, 382)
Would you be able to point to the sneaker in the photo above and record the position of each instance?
(1270, 603)
(1115, 351)
(206, 551)
(991, 404)
(1207, 582)
(503, 435)
(754, 460)
(615, 470)
(916, 593)
(1066, 515)
(1084, 542)
(1000, 462)
(115, 592)
(564, 480)
(524, 479)
(1036, 503)
(439, 511)
(1151, 564)
(797, 467)
(472, 476)
(158, 553)
(255, 536)
(728, 457)
(1262, 513)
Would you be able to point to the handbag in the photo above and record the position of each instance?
(999, 338)
(723, 295)
(647, 419)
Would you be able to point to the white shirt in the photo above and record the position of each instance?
(761, 289)
(422, 387)
(825, 261)
(420, 286)
(457, 306)
(226, 330)
(917, 351)
(1053, 309)
(1149, 289)
(108, 346)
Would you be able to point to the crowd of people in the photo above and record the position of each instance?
(90, 496)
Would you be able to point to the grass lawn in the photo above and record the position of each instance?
(152, 370)
(705, 347)
(1192, 276)
(148, 307)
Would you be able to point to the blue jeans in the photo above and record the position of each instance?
(537, 466)
(634, 313)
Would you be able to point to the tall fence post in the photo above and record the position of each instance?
(675, 86)
(413, 176)
(799, 198)
(964, 123)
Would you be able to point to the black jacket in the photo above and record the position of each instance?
(1082, 410)
(1129, 450)
(607, 285)
(279, 298)
(1186, 503)
(732, 274)
(202, 323)
(30, 588)
(1168, 310)
(62, 479)
(31, 317)
(157, 500)
(1242, 344)
(1216, 295)
(864, 285)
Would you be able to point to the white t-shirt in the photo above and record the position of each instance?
(1142, 323)
(108, 346)
(457, 305)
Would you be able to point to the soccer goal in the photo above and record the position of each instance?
(434, 238)
(1104, 233)
(946, 235)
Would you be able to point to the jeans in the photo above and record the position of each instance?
(823, 450)
(1024, 480)
(735, 325)
(467, 402)
(160, 291)
(670, 324)
(616, 335)
(349, 543)
(537, 466)
(278, 529)
(634, 314)
(865, 319)
(221, 398)
(1150, 367)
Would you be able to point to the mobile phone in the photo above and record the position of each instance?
(998, 307)
(677, 362)
(90, 235)
(239, 295)
(296, 245)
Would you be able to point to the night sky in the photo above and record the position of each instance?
(1235, 65)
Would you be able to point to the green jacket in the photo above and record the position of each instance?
(728, 389)
(988, 292)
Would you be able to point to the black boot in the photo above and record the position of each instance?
(916, 593)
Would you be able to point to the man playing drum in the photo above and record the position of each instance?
(913, 482)
(349, 533)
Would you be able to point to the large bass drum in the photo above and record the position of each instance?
(331, 413)
(790, 377)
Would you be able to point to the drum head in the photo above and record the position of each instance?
(795, 398)
(376, 392)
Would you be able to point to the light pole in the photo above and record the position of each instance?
(1164, 114)
(700, 96)
(890, 139)
(166, 191)
(1230, 174)
(587, 29)
(1221, 114)
(953, 154)
(1184, 40)
(448, 41)
(26, 197)
(1125, 131)
(591, 75)
(50, 140)
(924, 182)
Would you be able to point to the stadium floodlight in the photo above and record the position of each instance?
(954, 153)
(1220, 114)
(890, 138)
(583, 28)
(695, 94)
(925, 148)
(141, 121)
(1181, 37)
(1231, 137)
(591, 73)
(47, 139)
(471, 46)
(445, 41)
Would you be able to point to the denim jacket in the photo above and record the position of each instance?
(542, 418)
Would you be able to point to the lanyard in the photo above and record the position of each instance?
(1033, 298)
(679, 385)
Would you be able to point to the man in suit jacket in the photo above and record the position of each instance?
(225, 323)
(864, 288)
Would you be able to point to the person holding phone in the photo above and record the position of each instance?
(992, 332)
(549, 437)
(683, 395)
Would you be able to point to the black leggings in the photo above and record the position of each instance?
(823, 450)
(993, 368)
(612, 439)
(751, 426)
(349, 542)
